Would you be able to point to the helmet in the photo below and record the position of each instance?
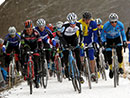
(41, 22)
(1, 41)
(113, 17)
(28, 24)
(59, 24)
(72, 17)
(87, 15)
(98, 21)
(12, 31)
(50, 26)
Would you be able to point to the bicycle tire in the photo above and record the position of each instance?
(103, 68)
(96, 72)
(77, 77)
(118, 77)
(87, 73)
(72, 77)
(30, 84)
(45, 78)
(115, 75)
(59, 72)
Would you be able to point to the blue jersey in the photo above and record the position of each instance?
(12, 42)
(2, 51)
(113, 32)
(90, 31)
(44, 34)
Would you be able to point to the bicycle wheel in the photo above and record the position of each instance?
(59, 70)
(77, 77)
(87, 73)
(118, 76)
(71, 74)
(45, 74)
(115, 75)
(96, 72)
(30, 84)
(13, 73)
(103, 68)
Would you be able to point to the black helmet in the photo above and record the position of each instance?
(87, 15)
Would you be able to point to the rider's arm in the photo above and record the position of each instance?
(81, 34)
(94, 28)
(103, 34)
(123, 32)
(49, 32)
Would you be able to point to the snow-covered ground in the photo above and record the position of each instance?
(1, 1)
(103, 89)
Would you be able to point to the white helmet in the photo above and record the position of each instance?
(72, 17)
(113, 17)
(41, 22)
(12, 31)
(98, 21)
(59, 24)
(1, 41)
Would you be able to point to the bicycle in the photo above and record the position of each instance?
(115, 64)
(102, 64)
(58, 64)
(30, 70)
(43, 72)
(87, 70)
(73, 69)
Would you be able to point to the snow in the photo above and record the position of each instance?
(102, 89)
(1, 1)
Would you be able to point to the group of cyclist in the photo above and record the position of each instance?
(86, 31)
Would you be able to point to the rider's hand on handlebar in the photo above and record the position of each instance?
(124, 44)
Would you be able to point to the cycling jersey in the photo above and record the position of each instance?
(99, 30)
(46, 35)
(90, 31)
(33, 40)
(12, 42)
(113, 32)
(70, 35)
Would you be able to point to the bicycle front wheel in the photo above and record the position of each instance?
(44, 74)
(77, 77)
(87, 73)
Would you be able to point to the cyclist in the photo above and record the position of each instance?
(99, 30)
(57, 33)
(89, 28)
(12, 42)
(3, 73)
(47, 38)
(128, 39)
(51, 27)
(30, 40)
(113, 33)
(69, 35)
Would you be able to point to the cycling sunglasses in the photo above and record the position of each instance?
(113, 21)
(73, 23)
(59, 29)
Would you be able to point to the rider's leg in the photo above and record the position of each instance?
(92, 61)
(120, 59)
(109, 59)
(36, 64)
(17, 51)
(65, 61)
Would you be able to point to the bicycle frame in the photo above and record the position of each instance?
(70, 59)
(115, 66)
(30, 66)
